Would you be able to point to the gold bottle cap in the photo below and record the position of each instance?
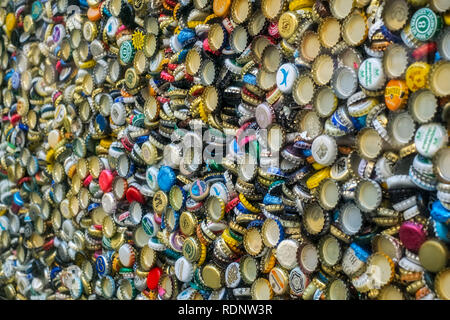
(271, 58)
(433, 255)
(322, 69)
(140, 237)
(355, 29)
(257, 46)
(131, 78)
(303, 90)
(310, 46)
(239, 39)
(241, 11)
(368, 195)
(369, 143)
(314, 219)
(253, 242)
(341, 8)
(212, 276)
(270, 233)
(249, 269)
(149, 45)
(272, 8)
(330, 251)
(266, 80)
(109, 227)
(191, 249)
(210, 98)
(140, 62)
(193, 62)
(438, 79)
(329, 32)
(216, 36)
(89, 31)
(325, 102)
(147, 258)
(160, 201)
(328, 194)
(442, 284)
(423, 105)
(215, 208)
(337, 290)
(390, 292)
(395, 14)
(261, 289)
(28, 24)
(256, 23)
(288, 24)
(388, 245)
(188, 223)
(98, 214)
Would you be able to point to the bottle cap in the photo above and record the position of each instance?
(423, 105)
(355, 29)
(325, 101)
(425, 23)
(350, 218)
(288, 24)
(344, 82)
(322, 69)
(286, 76)
(433, 255)
(340, 8)
(329, 32)
(437, 79)
(371, 74)
(395, 14)
(283, 253)
(368, 195)
(324, 150)
(337, 290)
(329, 251)
(297, 281)
(430, 138)
(396, 94)
(221, 8)
(441, 284)
(441, 164)
(417, 75)
(369, 143)
(261, 290)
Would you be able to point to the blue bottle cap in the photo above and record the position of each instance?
(166, 178)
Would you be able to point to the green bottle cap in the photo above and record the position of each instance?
(127, 52)
(425, 24)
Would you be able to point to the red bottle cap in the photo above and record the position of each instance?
(424, 50)
(105, 180)
(87, 181)
(133, 194)
(15, 118)
(153, 278)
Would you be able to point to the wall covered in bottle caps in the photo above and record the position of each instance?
(224, 149)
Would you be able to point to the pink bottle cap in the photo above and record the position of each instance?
(412, 235)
